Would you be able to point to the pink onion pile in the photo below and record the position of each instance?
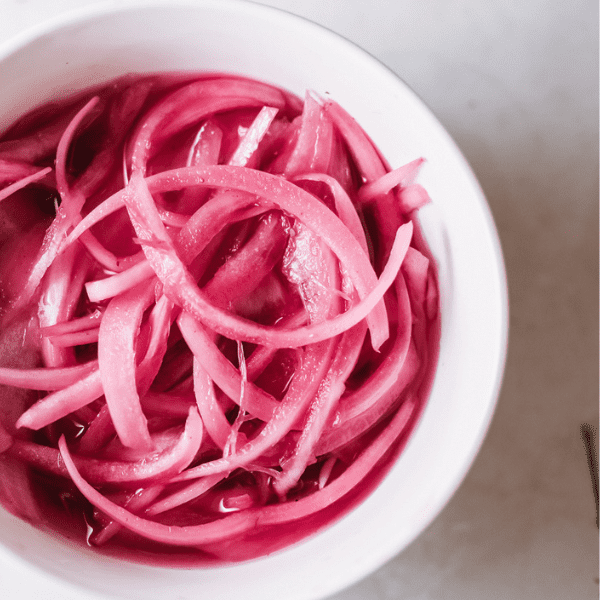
(219, 318)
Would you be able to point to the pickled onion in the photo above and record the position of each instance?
(233, 316)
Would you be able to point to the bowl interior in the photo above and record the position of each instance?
(101, 43)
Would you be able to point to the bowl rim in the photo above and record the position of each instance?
(91, 12)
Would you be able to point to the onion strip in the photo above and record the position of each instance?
(235, 311)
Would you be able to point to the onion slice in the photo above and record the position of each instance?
(25, 181)
(117, 365)
(169, 534)
(156, 466)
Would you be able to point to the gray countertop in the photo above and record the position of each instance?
(516, 85)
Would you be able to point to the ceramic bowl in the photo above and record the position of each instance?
(97, 44)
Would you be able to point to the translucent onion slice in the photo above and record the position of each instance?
(54, 378)
(62, 402)
(174, 535)
(23, 182)
(117, 364)
(161, 253)
(155, 466)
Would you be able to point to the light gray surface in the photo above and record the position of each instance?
(516, 85)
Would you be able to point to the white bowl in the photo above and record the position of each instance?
(97, 44)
